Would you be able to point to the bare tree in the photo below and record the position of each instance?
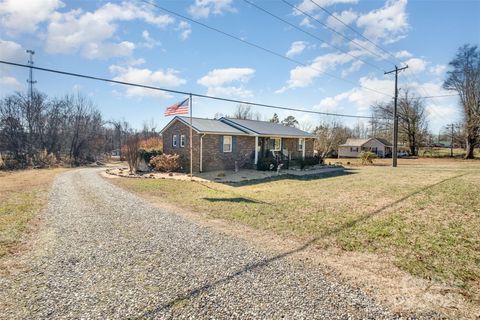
(464, 78)
(412, 120)
(328, 136)
(244, 111)
(131, 150)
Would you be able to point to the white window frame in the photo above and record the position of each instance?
(182, 141)
(174, 141)
(225, 138)
(275, 147)
(301, 144)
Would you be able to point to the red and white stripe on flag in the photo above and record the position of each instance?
(178, 108)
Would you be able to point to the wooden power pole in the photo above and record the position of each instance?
(395, 116)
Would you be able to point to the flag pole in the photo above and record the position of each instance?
(191, 139)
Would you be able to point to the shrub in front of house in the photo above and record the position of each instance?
(265, 164)
(166, 162)
(148, 154)
(367, 157)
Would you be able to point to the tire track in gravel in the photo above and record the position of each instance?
(105, 253)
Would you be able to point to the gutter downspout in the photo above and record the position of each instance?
(304, 147)
(201, 152)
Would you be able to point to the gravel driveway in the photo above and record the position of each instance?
(104, 253)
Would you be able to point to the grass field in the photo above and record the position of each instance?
(22, 195)
(425, 214)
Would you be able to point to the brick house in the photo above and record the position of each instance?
(219, 144)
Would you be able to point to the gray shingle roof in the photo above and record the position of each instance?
(211, 125)
(360, 142)
(266, 128)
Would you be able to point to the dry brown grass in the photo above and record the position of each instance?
(22, 195)
(422, 218)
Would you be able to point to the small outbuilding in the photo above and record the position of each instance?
(226, 143)
(353, 147)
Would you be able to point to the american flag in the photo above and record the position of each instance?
(178, 108)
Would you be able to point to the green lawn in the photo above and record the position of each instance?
(425, 213)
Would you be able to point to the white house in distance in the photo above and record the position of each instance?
(353, 147)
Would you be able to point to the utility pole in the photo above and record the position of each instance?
(30, 79)
(395, 115)
(452, 127)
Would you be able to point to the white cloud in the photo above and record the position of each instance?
(185, 30)
(388, 24)
(310, 7)
(168, 78)
(149, 41)
(438, 69)
(20, 16)
(359, 97)
(347, 17)
(203, 8)
(296, 48)
(403, 54)
(90, 32)
(416, 65)
(11, 51)
(303, 76)
(228, 82)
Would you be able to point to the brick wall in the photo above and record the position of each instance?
(309, 147)
(213, 156)
(180, 128)
(215, 159)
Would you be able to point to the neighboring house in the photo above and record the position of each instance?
(218, 144)
(353, 147)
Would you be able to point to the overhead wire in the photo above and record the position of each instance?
(261, 47)
(79, 75)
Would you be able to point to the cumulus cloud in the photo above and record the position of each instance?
(387, 24)
(403, 54)
(11, 51)
(296, 48)
(348, 17)
(203, 8)
(303, 76)
(185, 29)
(438, 69)
(90, 32)
(228, 82)
(24, 16)
(416, 65)
(149, 42)
(310, 7)
(162, 78)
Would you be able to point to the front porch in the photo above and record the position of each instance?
(286, 150)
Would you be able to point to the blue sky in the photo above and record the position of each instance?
(134, 41)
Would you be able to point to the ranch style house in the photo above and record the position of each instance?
(226, 144)
(353, 147)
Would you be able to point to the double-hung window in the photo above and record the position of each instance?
(276, 144)
(227, 143)
(182, 141)
(301, 143)
(174, 141)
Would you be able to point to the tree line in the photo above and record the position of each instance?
(36, 130)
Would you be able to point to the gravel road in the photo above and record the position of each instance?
(103, 253)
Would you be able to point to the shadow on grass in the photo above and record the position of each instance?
(307, 177)
(265, 262)
(237, 200)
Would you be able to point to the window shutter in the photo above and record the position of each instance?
(234, 143)
(220, 143)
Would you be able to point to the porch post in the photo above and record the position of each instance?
(304, 147)
(256, 149)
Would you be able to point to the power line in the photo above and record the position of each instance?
(333, 30)
(352, 29)
(261, 48)
(78, 75)
(440, 96)
(310, 34)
